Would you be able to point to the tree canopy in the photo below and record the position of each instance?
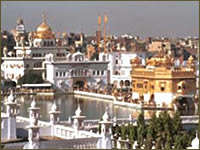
(31, 77)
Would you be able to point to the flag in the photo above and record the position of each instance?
(105, 18)
(99, 19)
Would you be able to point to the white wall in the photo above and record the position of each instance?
(163, 97)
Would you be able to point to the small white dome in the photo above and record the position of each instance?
(114, 119)
(106, 116)
(195, 142)
(33, 103)
(78, 111)
(54, 107)
(11, 97)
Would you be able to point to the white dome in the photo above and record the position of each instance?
(78, 56)
(78, 111)
(68, 56)
(11, 97)
(106, 116)
(33, 103)
(77, 53)
(195, 143)
(54, 107)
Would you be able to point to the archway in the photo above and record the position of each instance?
(127, 83)
(79, 84)
(185, 105)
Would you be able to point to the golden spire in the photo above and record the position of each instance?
(99, 33)
(44, 18)
(105, 22)
(99, 19)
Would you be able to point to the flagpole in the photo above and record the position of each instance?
(105, 21)
(99, 33)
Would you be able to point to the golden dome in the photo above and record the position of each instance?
(44, 30)
(190, 58)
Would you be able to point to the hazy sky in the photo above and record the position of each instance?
(138, 18)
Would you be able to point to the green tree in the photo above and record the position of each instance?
(123, 132)
(141, 129)
(31, 78)
(149, 140)
(132, 133)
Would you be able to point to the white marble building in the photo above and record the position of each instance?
(75, 70)
(30, 55)
(119, 66)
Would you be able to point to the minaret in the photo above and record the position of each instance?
(12, 111)
(106, 131)
(104, 31)
(20, 28)
(99, 34)
(78, 120)
(54, 117)
(33, 128)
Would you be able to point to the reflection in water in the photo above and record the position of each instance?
(67, 104)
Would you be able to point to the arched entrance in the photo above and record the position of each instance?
(185, 105)
(79, 84)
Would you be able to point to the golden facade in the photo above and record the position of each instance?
(158, 76)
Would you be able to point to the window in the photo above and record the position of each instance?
(63, 73)
(139, 85)
(162, 89)
(72, 73)
(2, 124)
(104, 58)
(162, 86)
(116, 61)
(93, 72)
(102, 72)
(56, 74)
(98, 72)
(133, 83)
(145, 84)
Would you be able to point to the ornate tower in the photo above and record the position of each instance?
(20, 28)
(54, 117)
(33, 128)
(78, 120)
(106, 131)
(12, 111)
(54, 114)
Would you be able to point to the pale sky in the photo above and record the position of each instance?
(171, 19)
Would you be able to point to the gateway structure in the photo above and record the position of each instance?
(30, 51)
(77, 71)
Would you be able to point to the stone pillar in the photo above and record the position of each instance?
(54, 117)
(78, 121)
(106, 131)
(54, 114)
(33, 128)
(12, 111)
